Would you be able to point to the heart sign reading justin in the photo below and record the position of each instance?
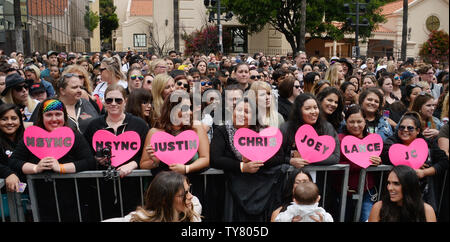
(258, 147)
(359, 151)
(123, 147)
(312, 147)
(175, 149)
(54, 144)
(413, 155)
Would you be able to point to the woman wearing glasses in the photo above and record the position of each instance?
(135, 79)
(289, 89)
(182, 83)
(167, 199)
(111, 73)
(117, 121)
(431, 173)
(16, 92)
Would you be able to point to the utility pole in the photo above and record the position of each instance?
(360, 8)
(211, 5)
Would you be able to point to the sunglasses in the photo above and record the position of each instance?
(403, 127)
(186, 192)
(117, 100)
(297, 86)
(21, 87)
(183, 84)
(133, 77)
(69, 75)
(255, 77)
(206, 83)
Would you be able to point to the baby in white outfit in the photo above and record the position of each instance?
(305, 205)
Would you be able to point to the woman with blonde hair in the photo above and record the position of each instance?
(158, 66)
(335, 74)
(110, 71)
(17, 92)
(266, 105)
(162, 86)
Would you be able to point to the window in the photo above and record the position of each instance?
(140, 40)
(238, 39)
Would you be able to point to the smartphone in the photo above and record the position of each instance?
(386, 113)
(428, 124)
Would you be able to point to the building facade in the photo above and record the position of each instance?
(49, 25)
(146, 25)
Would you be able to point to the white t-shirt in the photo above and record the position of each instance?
(304, 211)
(101, 88)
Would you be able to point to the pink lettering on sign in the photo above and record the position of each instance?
(258, 147)
(414, 155)
(123, 147)
(175, 149)
(359, 151)
(54, 144)
(312, 147)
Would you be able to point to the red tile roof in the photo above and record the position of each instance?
(47, 8)
(390, 8)
(382, 29)
(141, 8)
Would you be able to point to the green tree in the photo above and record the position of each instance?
(108, 19)
(285, 16)
(91, 19)
(436, 47)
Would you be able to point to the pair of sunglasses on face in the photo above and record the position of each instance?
(133, 77)
(183, 84)
(403, 127)
(19, 88)
(117, 100)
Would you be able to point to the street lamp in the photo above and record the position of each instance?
(360, 8)
(211, 5)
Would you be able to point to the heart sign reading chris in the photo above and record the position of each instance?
(413, 155)
(359, 151)
(123, 147)
(175, 149)
(54, 144)
(312, 147)
(258, 147)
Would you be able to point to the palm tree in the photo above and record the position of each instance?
(302, 46)
(404, 30)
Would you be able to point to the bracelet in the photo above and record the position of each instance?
(186, 169)
(242, 166)
(61, 169)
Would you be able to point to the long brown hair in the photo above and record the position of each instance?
(164, 122)
(159, 199)
(419, 101)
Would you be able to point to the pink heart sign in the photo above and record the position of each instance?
(54, 144)
(258, 147)
(123, 147)
(359, 151)
(175, 149)
(312, 147)
(413, 155)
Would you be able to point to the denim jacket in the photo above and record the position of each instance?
(383, 128)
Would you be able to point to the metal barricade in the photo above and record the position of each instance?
(361, 184)
(14, 205)
(326, 169)
(147, 173)
(2, 183)
(89, 174)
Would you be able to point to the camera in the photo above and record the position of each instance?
(103, 152)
